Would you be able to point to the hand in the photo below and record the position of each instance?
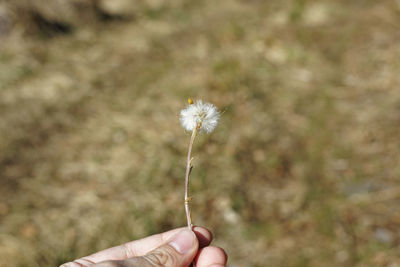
(175, 248)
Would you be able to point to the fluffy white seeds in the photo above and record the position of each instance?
(206, 115)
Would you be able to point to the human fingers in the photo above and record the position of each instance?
(124, 251)
(211, 256)
(139, 247)
(179, 251)
(204, 236)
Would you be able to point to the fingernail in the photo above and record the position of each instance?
(183, 241)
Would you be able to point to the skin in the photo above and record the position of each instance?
(156, 251)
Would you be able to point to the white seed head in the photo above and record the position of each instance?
(205, 116)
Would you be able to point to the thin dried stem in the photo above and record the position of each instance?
(188, 170)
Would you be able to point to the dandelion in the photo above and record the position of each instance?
(197, 117)
(205, 116)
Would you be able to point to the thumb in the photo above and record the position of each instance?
(178, 252)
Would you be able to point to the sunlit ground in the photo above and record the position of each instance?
(303, 169)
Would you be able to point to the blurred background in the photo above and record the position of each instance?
(302, 170)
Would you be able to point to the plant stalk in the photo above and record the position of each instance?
(188, 170)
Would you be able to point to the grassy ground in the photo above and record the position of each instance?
(303, 169)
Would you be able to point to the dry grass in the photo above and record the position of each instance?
(302, 171)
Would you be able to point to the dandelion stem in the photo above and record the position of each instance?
(188, 170)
